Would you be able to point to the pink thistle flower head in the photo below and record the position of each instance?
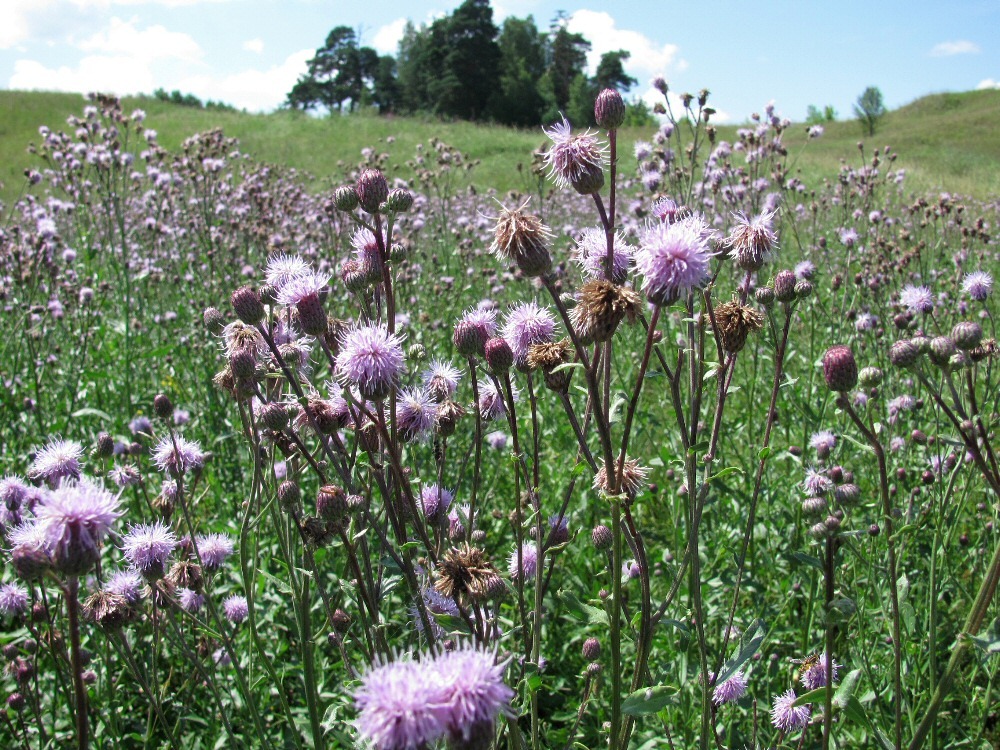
(441, 379)
(814, 676)
(58, 460)
(752, 240)
(435, 501)
(673, 259)
(372, 359)
(592, 255)
(303, 287)
(472, 692)
(491, 402)
(190, 600)
(731, 690)
(73, 521)
(524, 566)
(127, 584)
(213, 550)
(525, 325)
(13, 599)
(398, 706)
(235, 608)
(416, 414)
(916, 299)
(147, 547)
(282, 269)
(978, 285)
(575, 160)
(788, 717)
(176, 456)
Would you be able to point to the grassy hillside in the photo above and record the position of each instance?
(946, 142)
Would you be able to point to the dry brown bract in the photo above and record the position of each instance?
(735, 321)
(520, 238)
(110, 611)
(633, 478)
(465, 571)
(547, 357)
(601, 307)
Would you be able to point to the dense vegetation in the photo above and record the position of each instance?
(620, 461)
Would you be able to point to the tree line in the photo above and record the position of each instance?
(463, 66)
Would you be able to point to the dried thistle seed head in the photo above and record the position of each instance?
(317, 532)
(331, 502)
(601, 307)
(521, 238)
(633, 478)
(186, 574)
(986, 350)
(735, 321)
(465, 571)
(448, 414)
(547, 357)
(110, 611)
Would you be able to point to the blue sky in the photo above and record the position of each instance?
(250, 52)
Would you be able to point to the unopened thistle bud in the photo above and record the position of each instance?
(967, 335)
(289, 495)
(247, 305)
(274, 417)
(942, 348)
(784, 286)
(840, 369)
(399, 200)
(448, 414)
(469, 339)
(609, 109)
(105, 445)
(162, 406)
(904, 353)
(803, 289)
(591, 649)
(268, 294)
(870, 377)
(371, 189)
(764, 296)
(601, 537)
(214, 320)
(243, 363)
(499, 355)
(331, 502)
(397, 252)
(345, 198)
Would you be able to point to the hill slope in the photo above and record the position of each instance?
(946, 142)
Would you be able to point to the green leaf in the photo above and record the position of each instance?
(729, 470)
(763, 453)
(648, 700)
(809, 560)
(989, 643)
(88, 412)
(583, 612)
(846, 688)
(282, 585)
(750, 642)
(813, 696)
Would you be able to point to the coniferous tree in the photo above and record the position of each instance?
(518, 100)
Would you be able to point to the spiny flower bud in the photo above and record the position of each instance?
(499, 355)
(591, 649)
(345, 198)
(468, 339)
(243, 363)
(214, 320)
(967, 335)
(247, 305)
(268, 294)
(601, 537)
(371, 189)
(162, 406)
(274, 417)
(784, 286)
(105, 445)
(289, 495)
(870, 377)
(942, 347)
(609, 109)
(803, 289)
(847, 494)
(764, 296)
(331, 502)
(397, 252)
(399, 200)
(904, 353)
(840, 369)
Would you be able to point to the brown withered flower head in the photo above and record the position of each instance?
(601, 307)
(520, 238)
(633, 477)
(547, 357)
(186, 575)
(465, 571)
(987, 349)
(110, 611)
(734, 321)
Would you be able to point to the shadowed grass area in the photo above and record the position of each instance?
(945, 142)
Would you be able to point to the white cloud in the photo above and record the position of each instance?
(255, 90)
(107, 74)
(122, 38)
(386, 40)
(15, 23)
(959, 47)
(254, 45)
(988, 83)
(647, 58)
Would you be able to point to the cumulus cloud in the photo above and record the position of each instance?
(648, 58)
(254, 90)
(386, 40)
(104, 73)
(958, 47)
(988, 83)
(254, 45)
(122, 38)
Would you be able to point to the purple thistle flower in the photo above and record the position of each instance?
(815, 676)
(848, 237)
(308, 286)
(527, 324)
(787, 717)
(491, 402)
(177, 455)
(441, 378)
(127, 584)
(592, 254)
(731, 690)
(673, 259)
(528, 562)
(13, 599)
(816, 483)
(221, 657)
(398, 706)
(575, 160)
(141, 425)
(235, 609)
(435, 501)
(147, 547)
(372, 359)
(181, 417)
(416, 414)
(752, 240)
(124, 476)
(497, 440)
(73, 520)
(436, 604)
(865, 322)
(13, 491)
(213, 549)
(482, 318)
(916, 299)
(190, 600)
(457, 519)
(472, 692)
(978, 285)
(665, 209)
(58, 460)
(823, 442)
(642, 150)
(282, 269)
(805, 269)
